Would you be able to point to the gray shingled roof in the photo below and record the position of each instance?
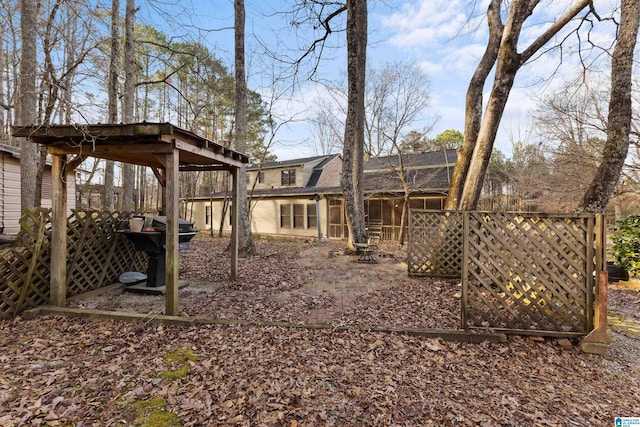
(429, 158)
(294, 162)
(424, 180)
(428, 172)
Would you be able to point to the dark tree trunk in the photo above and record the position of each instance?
(616, 147)
(112, 92)
(353, 150)
(128, 176)
(246, 245)
(27, 103)
(473, 107)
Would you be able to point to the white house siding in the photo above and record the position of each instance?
(10, 195)
(47, 190)
(10, 209)
(265, 217)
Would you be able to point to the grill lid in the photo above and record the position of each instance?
(183, 225)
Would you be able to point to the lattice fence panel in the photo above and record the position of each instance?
(435, 243)
(528, 272)
(25, 269)
(95, 259)
(97, 255)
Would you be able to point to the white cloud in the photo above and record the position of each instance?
(425, 22)
(438, 35)
(431, 68)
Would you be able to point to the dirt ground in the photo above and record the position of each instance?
(60, 371)
(299, 282)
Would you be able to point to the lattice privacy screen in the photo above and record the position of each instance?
(520, 271)
(97, 255)
(435, 243)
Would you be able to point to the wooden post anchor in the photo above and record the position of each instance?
(598, 340)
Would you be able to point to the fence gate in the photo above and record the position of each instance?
(530, 273)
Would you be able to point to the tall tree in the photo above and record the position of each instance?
(400, 94)
(112, 93)
(353, 150)
(571, 125)
(128, 174)
(473, 104)
(620, 111)
(480, 130)
(246, 244)
(449, 139)
(27, 100)
(397, 96)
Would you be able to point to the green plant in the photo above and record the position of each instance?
(154, 413)
(626, 244)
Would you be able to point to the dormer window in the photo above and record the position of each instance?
(288, 177)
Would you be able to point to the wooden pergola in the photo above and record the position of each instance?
(164, 148)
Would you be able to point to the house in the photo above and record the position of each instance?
(10, 210)
(303, 197)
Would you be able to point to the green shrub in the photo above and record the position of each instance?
(626, 244)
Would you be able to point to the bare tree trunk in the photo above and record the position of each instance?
(616, 148)
(112, 91)
(246, 244)
(223, 214)
(27, 99)
(67, 90)
(128, 175)
(473, 107)
(509, 61)
(353, 150)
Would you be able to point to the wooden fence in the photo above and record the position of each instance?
(522, 272)
(435, 243)
(97, 256)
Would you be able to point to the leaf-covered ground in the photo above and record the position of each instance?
(78, 372)
(297, 282)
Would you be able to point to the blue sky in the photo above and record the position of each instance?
(445, 37)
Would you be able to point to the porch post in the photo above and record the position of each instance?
(318, 220)
(171, 176)
(235, 221)
(58, 286)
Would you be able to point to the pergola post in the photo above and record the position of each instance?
(58, 286)
(235, 221)
(172, 189)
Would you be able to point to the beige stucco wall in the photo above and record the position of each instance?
(265, 217)
(272, 178)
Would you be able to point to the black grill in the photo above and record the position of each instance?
(154, 244)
